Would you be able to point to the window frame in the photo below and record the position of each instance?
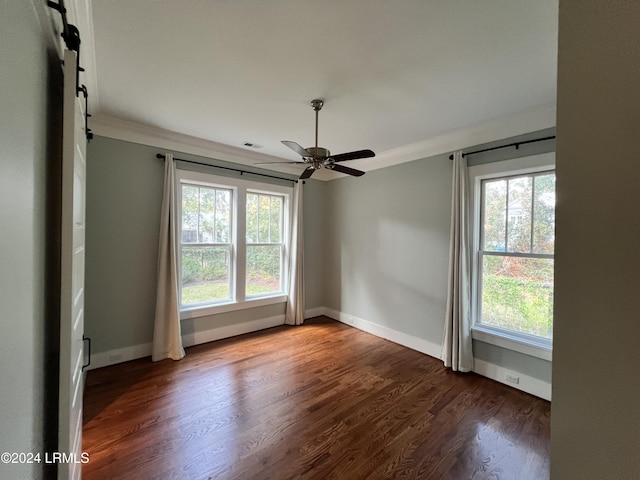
(237, 270)
(231, 243)
(282, 242)
(532, 345)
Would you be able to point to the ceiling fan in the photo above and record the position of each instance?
(319, 157)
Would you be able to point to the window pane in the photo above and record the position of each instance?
(519, 215)
(223, 216)
(517, 294)
(275, 219)
(264, 204)
(544, 204)
(252, 218)
(264, 264)
(190, 206)
(205, 274)
(206, 215)
(495, 204)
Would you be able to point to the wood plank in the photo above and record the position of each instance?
(318, 401)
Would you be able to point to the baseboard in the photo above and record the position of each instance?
(125, 354)
(526, 383)
(419, 344)
(196, 338)
(314, 312)
(119, 355)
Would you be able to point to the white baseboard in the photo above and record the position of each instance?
(314, 312)
(196, 338)
(419, 344)
(119, 355)
(526, 383)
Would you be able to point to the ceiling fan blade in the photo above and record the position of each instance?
(342, 157)
(281, 163)
(307, 173)
(296, 148)
(347, 170)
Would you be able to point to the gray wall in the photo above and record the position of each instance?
(387, 247)
(30, 106)
(595, 418)
(124, 194)
(388, 239)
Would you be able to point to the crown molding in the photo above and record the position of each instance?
(487, 131)
(134, 132)
(494, 129)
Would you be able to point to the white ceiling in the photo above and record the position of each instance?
(392, 73)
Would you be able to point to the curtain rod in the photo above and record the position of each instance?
(161, 155)
(514, 144)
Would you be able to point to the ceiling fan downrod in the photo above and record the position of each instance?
(317, 106)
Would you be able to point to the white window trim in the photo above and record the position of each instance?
(237, 274)
(519, 342)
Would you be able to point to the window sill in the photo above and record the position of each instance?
(204, 311)
(531, 347)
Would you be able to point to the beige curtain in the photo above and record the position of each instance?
(167, 338)
(457, 351)
(294, 314)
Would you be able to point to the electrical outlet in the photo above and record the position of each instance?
(509, 377)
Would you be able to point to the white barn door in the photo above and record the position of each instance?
(72, 273)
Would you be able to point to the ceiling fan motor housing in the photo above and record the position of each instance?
(319, 152)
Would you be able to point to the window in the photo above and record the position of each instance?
(265, 247)
(232, 243)
(206, 244)
(514, 255)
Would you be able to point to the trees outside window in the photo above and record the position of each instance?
(515, 255)
(206, 244)
(232, 242)
(265, 244)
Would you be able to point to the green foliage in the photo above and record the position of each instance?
(518, 304)
(191, 269)
(204, 263)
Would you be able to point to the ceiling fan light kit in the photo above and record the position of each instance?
(319, 157)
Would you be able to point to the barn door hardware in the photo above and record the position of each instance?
(71, 36)
(87, 130)
(88, 340)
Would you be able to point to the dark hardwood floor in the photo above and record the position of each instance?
(319, 401)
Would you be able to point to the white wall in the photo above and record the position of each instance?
(30, 117)
(595, 418)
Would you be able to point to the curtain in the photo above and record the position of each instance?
(457, 351)
(167, 338)
(294, 314)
